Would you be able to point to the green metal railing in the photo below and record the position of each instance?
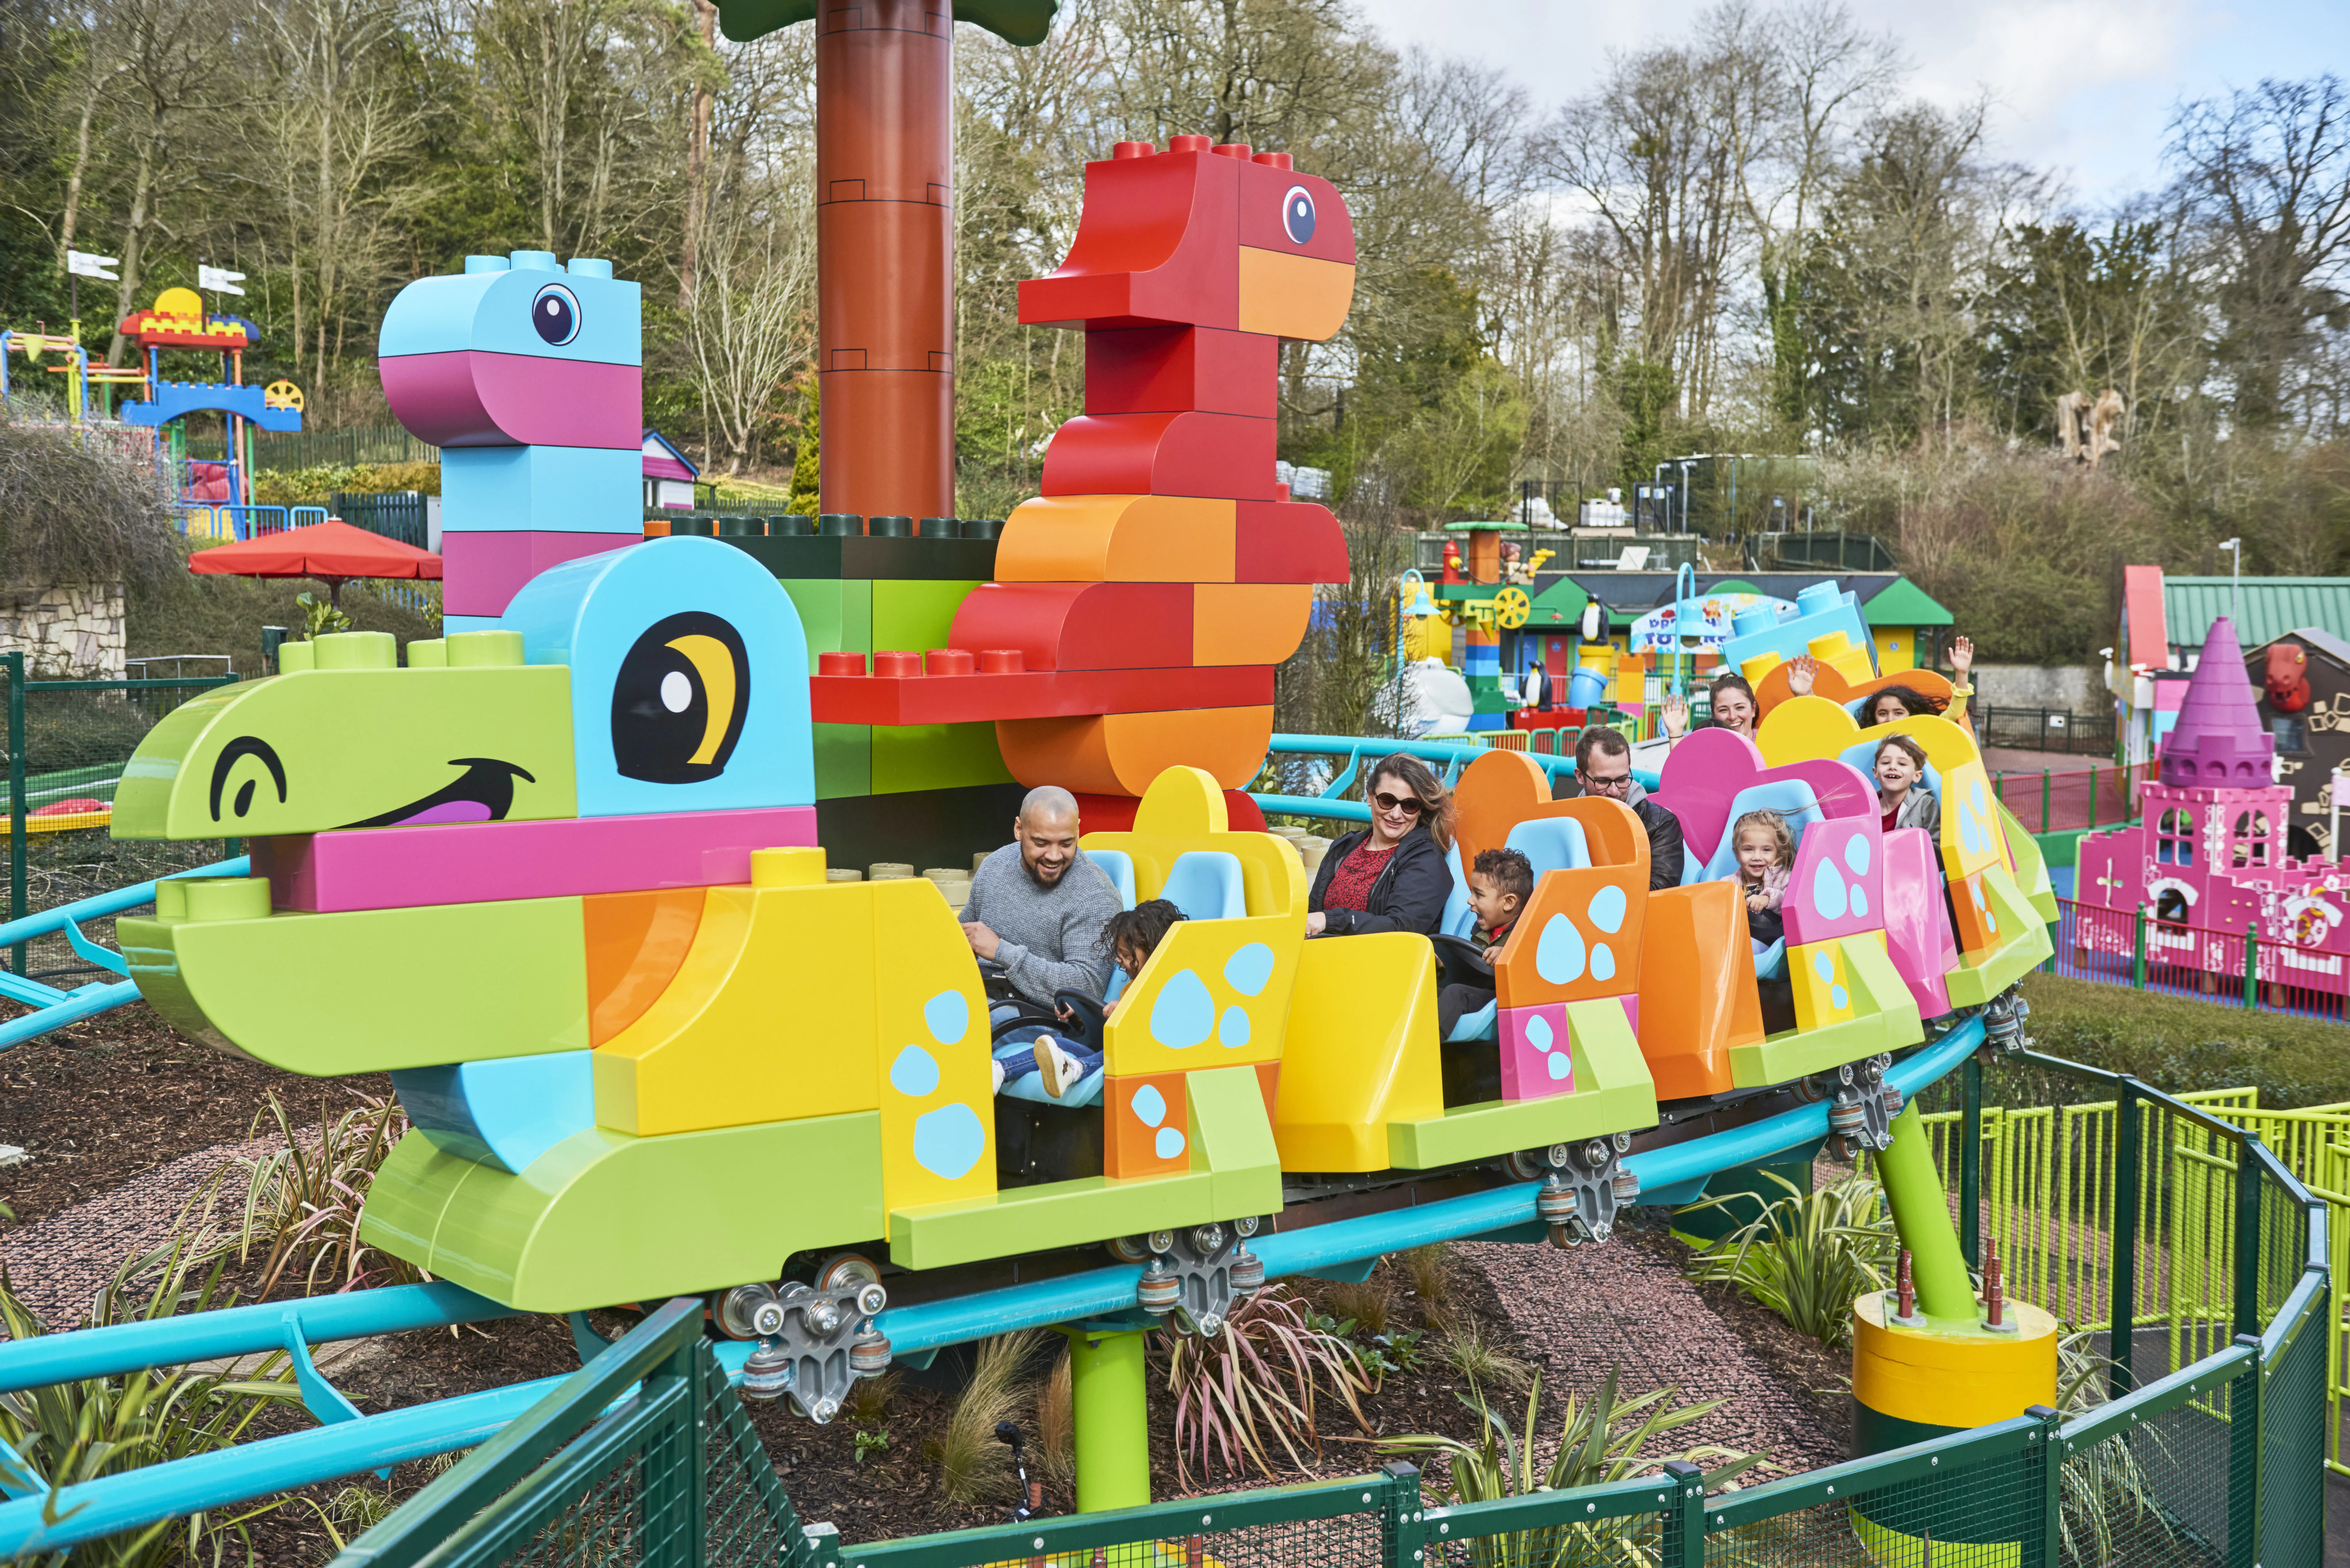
(644, 1456)
(2201, 1259)
(68, 742)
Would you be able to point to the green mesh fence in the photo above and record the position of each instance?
(2200, 1438)
(67, 742)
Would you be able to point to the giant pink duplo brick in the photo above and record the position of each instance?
(485, 862)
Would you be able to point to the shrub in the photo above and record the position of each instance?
(2180, 1044)
(1603, 1440)
(1366, 1303)
(1056, 1422)
(1427, 1269)
(1257, 1383)
(72, 1433)
(1485, 1365)
(304, 1202)
(1807, 1255)
(73, 510)
(973, 1466)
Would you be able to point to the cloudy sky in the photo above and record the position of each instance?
(2081, 87)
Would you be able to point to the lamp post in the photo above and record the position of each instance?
(2235, 548)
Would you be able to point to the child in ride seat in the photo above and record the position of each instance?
(1499, 883)
(1765, 849)
(1902, 799)
(1130, 937)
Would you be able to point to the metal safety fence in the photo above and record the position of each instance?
(2158, 949)
(2045, 729)
(2195, 1258)
(68, 742)
(2051, 800)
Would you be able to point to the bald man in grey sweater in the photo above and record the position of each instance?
(1037, 905)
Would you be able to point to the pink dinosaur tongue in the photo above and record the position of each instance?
(448, 811)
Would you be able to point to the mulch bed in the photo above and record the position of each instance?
(123, 1118)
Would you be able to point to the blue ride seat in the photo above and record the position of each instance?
(1458, 920)
(1551, 844)
(1791, 798)
(1206, 885)
(1118, 867)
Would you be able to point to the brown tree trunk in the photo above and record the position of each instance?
(884, 321)
(697, 167)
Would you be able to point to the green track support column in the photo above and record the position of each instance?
(1921, 1214)
(1113, 1419)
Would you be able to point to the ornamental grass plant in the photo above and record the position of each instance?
(1806, 1255)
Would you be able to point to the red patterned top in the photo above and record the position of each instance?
(1350, 885)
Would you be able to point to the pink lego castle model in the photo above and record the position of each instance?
(2206, 859)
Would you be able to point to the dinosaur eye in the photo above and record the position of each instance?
(680, 698)
(554, 313)
(1297, 214)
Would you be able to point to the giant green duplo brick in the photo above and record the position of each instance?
(604, 1217)
(914, 616)
(935, 756)
(836, 613)
(843, 761)
(328, 994)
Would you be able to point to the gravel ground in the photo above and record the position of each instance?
(55, 1265)
(1626, 1306)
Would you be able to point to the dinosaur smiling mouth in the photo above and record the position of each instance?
(483, 793)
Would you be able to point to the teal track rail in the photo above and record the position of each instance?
(54, 1520)
(54, 1007)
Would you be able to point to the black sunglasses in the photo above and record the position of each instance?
(1409, 805)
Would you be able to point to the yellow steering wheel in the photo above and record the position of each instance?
(282, 394)
(1511, 608)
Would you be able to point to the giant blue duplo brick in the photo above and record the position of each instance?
(542, 489)
(1760, 639)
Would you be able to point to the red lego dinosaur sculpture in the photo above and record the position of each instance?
(2287, 678)
(1162, 542)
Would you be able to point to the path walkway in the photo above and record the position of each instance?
(1622, 1304)
(55, 1265)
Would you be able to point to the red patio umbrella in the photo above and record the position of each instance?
(333, 552)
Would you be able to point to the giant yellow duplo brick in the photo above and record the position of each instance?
(771, 1017)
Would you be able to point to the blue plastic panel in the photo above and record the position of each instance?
(543, 489)
(504, 1113)
(491, 310)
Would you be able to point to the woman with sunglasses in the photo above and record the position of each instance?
(1391, 876)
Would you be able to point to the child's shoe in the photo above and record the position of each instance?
(1061, 1071)
(998, 1067)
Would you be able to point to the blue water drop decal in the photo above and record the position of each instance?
(1538, 1033)
(1184, 1014)
(1859, 902)
(1558, 956)
(948, 1014)
(1855, 854)
(1975, 793)
(1823, 965)
(1148, 1105)
(1838, 998)
(948, 1142)
(915, 1073)
(1827, 891)
(1992, 921)
(1603, 961)
(1233, 1028)
(1607, 908)
(1560, 1065)
(1247, 970)
(1169, 1143)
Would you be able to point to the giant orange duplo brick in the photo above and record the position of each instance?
(1172, 369)
(1148, 1131)
(1162, 454)
(1696, 989)
(1248, 623)
(1120, 753)
(1080, 626)
(635, 943)
(1119, 539)
(1157, 242)
(1287, 542)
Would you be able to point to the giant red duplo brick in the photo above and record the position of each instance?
(1158, 241)
(1176, 370)
(1080, 626)
(1288, 542)
(1224, 455)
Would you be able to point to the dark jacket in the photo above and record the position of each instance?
(1408, 895)
(1664, 834)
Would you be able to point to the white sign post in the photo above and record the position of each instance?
(220, 280)
(81, 265)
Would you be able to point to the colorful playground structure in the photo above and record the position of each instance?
(2209, 857)
(653, 1048)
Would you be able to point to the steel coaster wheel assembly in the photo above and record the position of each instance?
(1861, 1103)
(1584, 1183)
(1196, 1274)
(815, 1340)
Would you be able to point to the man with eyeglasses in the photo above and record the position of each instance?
(1603, 768)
